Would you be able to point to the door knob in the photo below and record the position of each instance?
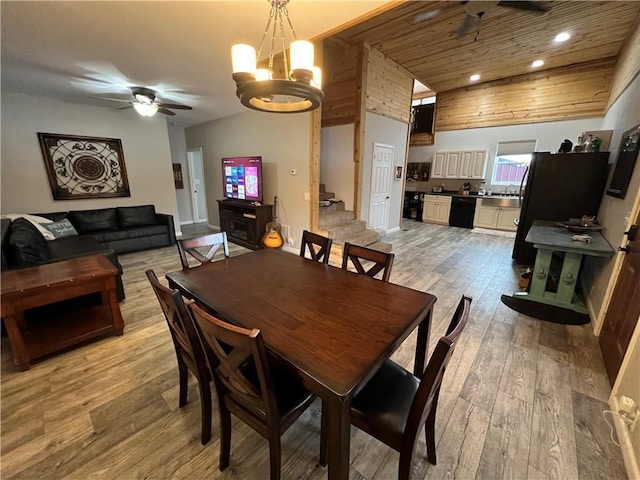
(624, 249)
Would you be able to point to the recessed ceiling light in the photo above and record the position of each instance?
(475, 77)
(562, 37)
(537, 63)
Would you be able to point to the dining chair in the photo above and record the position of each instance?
(394, 405)
(382, 262)
(191, 246)
(188, 348)
(319, 246)
(264, 397)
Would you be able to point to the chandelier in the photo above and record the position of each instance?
(299, 91)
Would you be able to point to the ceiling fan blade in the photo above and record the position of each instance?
(177, 106)
(165, 111)
(110, 99)
(124, 108)
(531, 6)
(469, 22)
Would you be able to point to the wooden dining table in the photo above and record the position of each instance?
(331, 328)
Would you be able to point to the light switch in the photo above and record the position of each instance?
(307, 196)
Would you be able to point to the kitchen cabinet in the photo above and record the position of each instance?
(495, 218)
(436, 209)
(462, 164)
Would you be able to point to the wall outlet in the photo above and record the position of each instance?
(628, 410)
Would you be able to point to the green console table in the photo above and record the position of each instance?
(564, 305)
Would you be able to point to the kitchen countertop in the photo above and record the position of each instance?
(471, 195)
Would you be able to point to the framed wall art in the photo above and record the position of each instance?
(398, 173)
(177, 176)
(84, 167)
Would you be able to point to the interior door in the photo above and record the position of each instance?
(380, 186)
(196, 179)
(624, 307)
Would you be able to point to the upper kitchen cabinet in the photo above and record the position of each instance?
(446, 164)
(465, 164)
(473, 164)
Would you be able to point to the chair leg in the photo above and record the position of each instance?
(430, 434)
(225, 436)
(324, 427)
(183, 374)
(274, 455)
(205, 407)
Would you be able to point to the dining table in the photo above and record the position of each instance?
(330, 327)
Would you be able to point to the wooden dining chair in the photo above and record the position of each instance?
(394, 405)
(191, 246)
(266, 398)
(382, 262)
(189, 351)
(319, 247)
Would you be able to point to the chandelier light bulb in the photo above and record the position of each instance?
(316, 80)
(263, 74)
(243, 58)
(301, 55)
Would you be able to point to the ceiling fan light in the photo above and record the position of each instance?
(475, 77)
(146, 109)
(562, 37)
(301, 55)
(243, 58)
(537, 63)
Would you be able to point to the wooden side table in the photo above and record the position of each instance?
(564, 305)
(32, 287)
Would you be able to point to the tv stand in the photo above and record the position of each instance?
(244, 222)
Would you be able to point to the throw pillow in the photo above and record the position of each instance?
(35, 220)
(136, 216)
(27, 247)
(60, 229)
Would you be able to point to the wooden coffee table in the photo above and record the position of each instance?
(28, 288)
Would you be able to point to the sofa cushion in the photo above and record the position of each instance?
(62, 228)
(88, 221)
(136, 216)
(26, 245)
(103, 237)
(147, 231)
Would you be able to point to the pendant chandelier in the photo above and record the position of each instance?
(256, 88)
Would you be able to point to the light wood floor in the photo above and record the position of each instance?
(522, 399)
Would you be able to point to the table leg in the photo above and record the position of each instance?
(20, 353)
(568, 278)
(422, 344)
(338, 438)
(540, 273)
(110, 300)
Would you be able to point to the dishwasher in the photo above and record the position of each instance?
(463, 209)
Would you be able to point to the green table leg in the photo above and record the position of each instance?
(540, 274)
(568, 278)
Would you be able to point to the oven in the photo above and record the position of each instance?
(463, 209)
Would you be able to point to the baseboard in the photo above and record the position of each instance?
(188, 222)
(393, 230)
(624, 439)
(288, 249)
(215, 227)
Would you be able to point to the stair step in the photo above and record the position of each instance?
(381, 246)
(327, 195)
(330, 219)
(346, 229)
(364, 238)
(334, 207)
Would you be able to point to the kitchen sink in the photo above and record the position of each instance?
(506, 202)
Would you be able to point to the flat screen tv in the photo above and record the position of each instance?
(242, 178)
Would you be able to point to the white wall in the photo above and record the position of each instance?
(379, 129)
(145, 144)
(336, 162)
(549, 135)
(283, 141)
(178, 147)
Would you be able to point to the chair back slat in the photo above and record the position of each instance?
(382, 262)
(189, 247)
(427, 395)
(319, 247)
(235, 356)
(180, 322)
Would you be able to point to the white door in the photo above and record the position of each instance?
(380, 186)
(196, 180)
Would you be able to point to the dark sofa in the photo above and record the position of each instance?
(122, 229)
(24, 246)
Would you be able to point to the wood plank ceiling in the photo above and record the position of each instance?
(422, 37)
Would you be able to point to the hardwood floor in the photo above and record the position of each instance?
(522, 398)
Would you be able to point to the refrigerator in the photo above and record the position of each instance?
(559, 186)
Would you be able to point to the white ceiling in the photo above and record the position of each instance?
(181, 49)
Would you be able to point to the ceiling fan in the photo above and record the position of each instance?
(145, 102)
(475, 10)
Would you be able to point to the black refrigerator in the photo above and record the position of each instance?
(559, 186)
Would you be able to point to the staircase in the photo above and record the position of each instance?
(341, 226)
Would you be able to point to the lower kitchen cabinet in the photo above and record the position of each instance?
(436, 209)
(496, 218)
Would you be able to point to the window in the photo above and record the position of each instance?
(512, 160)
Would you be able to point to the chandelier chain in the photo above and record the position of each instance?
(266, 30)
(284, 47)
